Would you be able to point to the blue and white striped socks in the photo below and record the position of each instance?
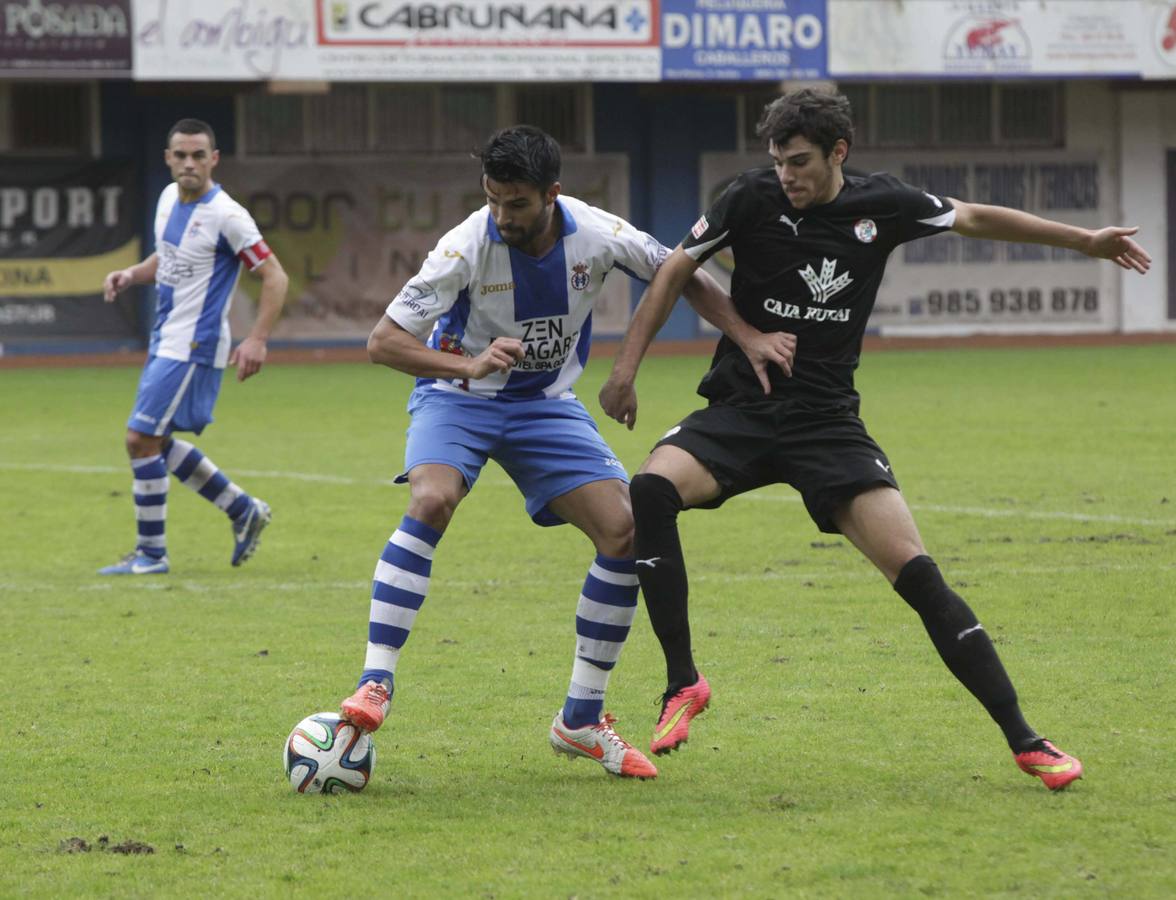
(398, 590)
(604, 615)
(198, 472)
(150, 492)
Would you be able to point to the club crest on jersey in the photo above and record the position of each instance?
(700, 228)
(580, 276)
(866, 230)
(194, 228)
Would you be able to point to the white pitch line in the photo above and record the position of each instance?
(818, 578)
(985, 512)
(980, 511)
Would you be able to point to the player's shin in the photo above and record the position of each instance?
(661, 569)
(964, 646)
(604, 616)
(199, 473)
(150, 492)
(399, 586)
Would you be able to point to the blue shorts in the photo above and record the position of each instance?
(174, 396)
(547, 447)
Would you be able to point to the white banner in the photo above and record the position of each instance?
(949, 284)
(393, 40)
(991, 37)
(351, 232)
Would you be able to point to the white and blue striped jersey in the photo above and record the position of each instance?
(473, 288)
(201, 246)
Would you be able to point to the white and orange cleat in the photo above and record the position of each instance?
(601, 743)
(368, 706)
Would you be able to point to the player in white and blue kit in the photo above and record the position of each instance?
(496, 327)
(202, 237)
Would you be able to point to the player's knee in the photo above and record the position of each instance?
(433, 505)
(615, 538)
(922, 585)
(139, 445)
(654, 498)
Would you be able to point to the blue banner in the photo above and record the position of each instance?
(743, 40)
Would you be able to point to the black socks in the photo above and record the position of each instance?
(964, 646)
(662, 572)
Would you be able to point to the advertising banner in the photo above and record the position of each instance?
(65, 38)
(351, 232)
(743, 40)
(952, 285)
(395, 40)
(63, 226)
(1160, 39)
(1009, 38)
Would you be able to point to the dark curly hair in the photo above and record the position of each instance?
(821, 118)
(521, 153)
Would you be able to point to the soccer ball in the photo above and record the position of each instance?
(326, 753)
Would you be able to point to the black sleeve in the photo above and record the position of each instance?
(718, 225)
(919, 214)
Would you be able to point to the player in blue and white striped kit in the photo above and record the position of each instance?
(496, 327)
(202, 237)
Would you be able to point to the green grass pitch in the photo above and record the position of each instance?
(839, 758)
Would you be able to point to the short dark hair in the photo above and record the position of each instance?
(192, 126)
(820, 117)
(521, 153)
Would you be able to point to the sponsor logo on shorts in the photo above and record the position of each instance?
(146, 418)
(671, 432)
(700, 227)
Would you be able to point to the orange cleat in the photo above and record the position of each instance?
(601, 743)
(673, 728)
(368, 706)
(1051, 765)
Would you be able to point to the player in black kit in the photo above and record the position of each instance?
(810, 245)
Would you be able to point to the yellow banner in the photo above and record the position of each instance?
(63, 277)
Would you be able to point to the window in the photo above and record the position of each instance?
(950, 114)
(904, 114)
(965, 114)
(408, 118)
(557, 109)
(46, 117)
(1030, 114)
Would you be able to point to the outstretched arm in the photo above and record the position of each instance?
(1003, 224)
(118, 281)
(249, 355)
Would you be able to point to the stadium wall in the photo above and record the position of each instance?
(667, 131)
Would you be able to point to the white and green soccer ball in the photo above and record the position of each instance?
(327, 754)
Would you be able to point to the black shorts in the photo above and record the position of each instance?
(828, 457)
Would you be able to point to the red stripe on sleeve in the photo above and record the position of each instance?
(254, 256)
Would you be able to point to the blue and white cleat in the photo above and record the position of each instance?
(137, 563)
(247, 530)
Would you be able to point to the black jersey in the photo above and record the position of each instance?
(813, 272)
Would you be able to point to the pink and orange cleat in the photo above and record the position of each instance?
(368, 706)
(1051, 765)
(601, 743)
(673, 728)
